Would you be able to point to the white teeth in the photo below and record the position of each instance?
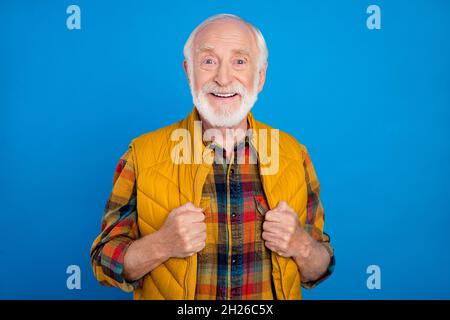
(224, 95)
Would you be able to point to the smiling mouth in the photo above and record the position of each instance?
(223, 95)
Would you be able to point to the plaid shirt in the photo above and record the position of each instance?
(234, 264)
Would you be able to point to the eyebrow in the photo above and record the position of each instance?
(205, 47)
(208, 47)
(242, 51)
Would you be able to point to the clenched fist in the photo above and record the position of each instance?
(184, 230)
(283, 232)
(284, 235)
(182, 234)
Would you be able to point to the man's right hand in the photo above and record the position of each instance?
(182, 234)
(184, 231)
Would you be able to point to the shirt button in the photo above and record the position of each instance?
(233, 215)
(233, 261)
(231, 171)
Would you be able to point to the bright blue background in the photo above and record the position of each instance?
(371, 106)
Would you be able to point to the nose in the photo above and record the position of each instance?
(223, 77)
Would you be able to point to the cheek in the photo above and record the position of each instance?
(197, 85)
(200, 79)
(247, 81)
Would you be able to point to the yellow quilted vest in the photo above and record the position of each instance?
(163, 185)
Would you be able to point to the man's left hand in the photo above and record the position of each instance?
(283, 233)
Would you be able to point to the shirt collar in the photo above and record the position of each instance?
(209, 143)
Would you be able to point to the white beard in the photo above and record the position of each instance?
(224, 115)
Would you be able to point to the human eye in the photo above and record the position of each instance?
(208, 61)
(239, 62)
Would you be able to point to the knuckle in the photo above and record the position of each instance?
(200, 216)
(179, 221)
(187, 247)
(184, 238)
(187, 205)
(181, 230)
(173, 214)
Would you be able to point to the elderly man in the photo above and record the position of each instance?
(229, 222)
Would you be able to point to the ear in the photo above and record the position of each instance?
(186, 71)
(262, 77)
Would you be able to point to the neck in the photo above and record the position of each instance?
(225, 137)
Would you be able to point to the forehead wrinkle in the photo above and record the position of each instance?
(205, 47)
(235, 48)
(210, 48)
(243, 37)
(226, 38)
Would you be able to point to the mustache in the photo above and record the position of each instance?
(212, 87)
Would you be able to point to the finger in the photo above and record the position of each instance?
(272, 215)
(274, 247)
(271, 226)
(198, 239)
(200, 246)
(266, 236)
(198, 228)
(271, 236)
(194, 216)
(189, 206)
(282, 205)
(271, 246)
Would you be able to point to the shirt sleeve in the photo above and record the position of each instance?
(315, 217)
(118, 228)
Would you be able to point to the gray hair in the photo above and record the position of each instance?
(261, 43)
